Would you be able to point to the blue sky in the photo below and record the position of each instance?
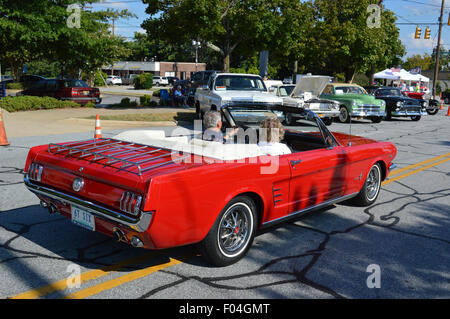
(407, 11)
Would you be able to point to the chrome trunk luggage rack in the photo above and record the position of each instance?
(116, 153)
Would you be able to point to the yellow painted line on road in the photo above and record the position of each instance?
(84, 277)
(406, 168)
(390, 180)
(107, 285)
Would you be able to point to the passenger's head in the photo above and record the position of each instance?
(271, 130)
(212, 119)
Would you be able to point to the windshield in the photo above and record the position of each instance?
(388, 92)
(239, 82)
(350, 90)
(286, 90)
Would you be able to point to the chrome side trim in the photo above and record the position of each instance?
(297, 213)
(138, 224)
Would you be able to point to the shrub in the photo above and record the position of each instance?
(15, 86)
(145, 100)
(28, 103)
(143, 81)
(98, 80)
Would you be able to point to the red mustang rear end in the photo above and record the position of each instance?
(153, 191)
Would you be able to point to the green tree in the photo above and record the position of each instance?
(342, 42)
(417, 60)
(35, 29)
(221, 25)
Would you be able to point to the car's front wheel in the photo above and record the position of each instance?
(371, 188)
(432, 111)
(232, 233)
(344, 116)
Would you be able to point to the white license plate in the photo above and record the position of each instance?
(83, 218)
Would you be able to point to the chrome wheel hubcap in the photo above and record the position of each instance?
(373, 183)
(234, 230)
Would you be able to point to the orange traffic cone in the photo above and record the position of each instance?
(3, 139)
(98, 130)
(442, 105)
(448, 111)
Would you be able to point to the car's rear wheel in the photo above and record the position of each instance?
(232, 233)
(371, 188)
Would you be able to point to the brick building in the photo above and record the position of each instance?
(182, 70)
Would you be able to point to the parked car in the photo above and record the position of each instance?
(354, 102)
(172, 79)
(288, 80)
(129, 79)
(431, 105)
(160, 80)
(398, 105)
(153, 191)
(231, 88)
(113, 80)
(305, 94)
(64, 89)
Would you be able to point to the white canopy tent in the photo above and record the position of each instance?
(387, 75)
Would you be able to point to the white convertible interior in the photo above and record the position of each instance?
(187, 144)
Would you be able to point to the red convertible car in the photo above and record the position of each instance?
(153, 191)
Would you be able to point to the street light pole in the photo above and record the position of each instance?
(438, 51)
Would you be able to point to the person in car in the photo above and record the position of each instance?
(271, 132)
(213, 124)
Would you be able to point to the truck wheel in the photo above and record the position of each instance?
(288, 120)
(376, 119)
(344, 116)
(232, 234)
(327, 121)
(371, 188)
(198, 111)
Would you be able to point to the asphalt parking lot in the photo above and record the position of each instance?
(397, 248)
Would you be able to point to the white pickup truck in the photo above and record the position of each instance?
(233, 88)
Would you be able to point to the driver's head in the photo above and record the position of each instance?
(212, 119)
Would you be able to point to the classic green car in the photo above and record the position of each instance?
(354, 102)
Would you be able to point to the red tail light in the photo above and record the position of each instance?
(130, 203)
(35, 172)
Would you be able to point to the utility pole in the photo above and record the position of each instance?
(113, 28)
(438, 51)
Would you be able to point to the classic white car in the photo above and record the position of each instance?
(305, 94)
(233, 88)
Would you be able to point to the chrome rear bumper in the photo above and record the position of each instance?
(139, 224)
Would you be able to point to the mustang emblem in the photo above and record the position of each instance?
(78, 184)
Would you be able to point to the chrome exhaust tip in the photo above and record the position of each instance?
(119, 235)
(43, 204)
(136, 242)
(52, 209)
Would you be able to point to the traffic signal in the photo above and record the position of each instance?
(418, 33)
(427, 33)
